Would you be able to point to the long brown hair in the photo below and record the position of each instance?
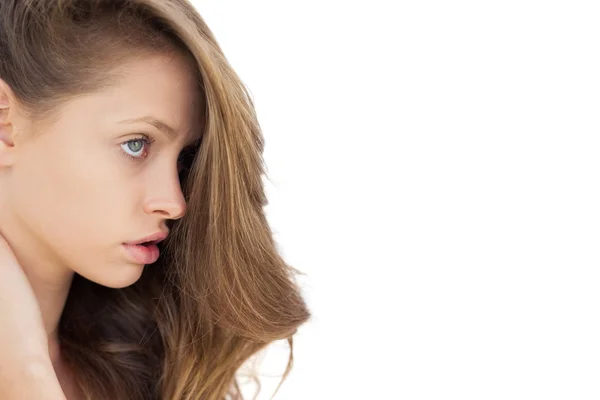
(220, 292)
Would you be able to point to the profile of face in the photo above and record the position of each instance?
(76, 191)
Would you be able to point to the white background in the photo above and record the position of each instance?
(434, 170)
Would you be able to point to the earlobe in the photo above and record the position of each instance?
(7, 145)
(7, 152)
(6, 136)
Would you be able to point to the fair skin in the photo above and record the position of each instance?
(70, 196)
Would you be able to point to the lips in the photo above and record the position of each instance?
(152, 239)
(140, 254)
(145, 250)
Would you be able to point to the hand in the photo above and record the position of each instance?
(23, 336)
(26, 371)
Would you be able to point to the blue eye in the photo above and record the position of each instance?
(137, 148)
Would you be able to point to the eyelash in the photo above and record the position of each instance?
(146, 139)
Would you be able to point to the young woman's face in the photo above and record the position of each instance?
(81, 188)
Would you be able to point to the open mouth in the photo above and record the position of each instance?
(143, 253)
(146, 244)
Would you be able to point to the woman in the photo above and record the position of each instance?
(136, 261)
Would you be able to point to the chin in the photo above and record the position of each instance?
(121, 279)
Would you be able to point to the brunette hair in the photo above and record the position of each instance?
(220, 292)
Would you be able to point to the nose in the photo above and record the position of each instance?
(165, 197)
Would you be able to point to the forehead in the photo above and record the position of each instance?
(158, 90)
(164, 87)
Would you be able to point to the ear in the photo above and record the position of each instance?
(7, 108)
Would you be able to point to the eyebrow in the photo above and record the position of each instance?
(158, 124)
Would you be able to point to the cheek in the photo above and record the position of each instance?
(70, 199)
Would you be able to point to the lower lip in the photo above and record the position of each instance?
(142, 254)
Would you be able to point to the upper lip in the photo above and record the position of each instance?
(154, 238)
